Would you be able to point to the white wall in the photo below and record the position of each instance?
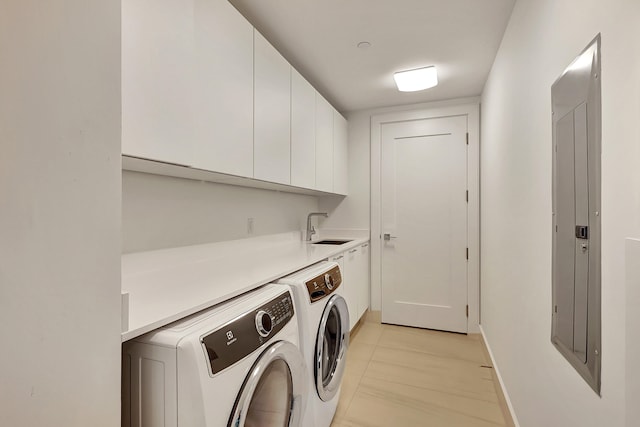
(542, 38)
(161, 212)
(60, 213)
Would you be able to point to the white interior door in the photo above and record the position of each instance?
(424, 223)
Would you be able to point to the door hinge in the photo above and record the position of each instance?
(467, 310)
(467, 138)
(467, 253)
(467, 196)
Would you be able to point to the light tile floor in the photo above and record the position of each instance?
(398, 376)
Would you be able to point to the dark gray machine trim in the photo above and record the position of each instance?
(576, 99)
(242, 336)
(324, 284)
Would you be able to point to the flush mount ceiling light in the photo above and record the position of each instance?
(417, 79)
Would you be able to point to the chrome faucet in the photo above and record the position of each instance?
(310, 230)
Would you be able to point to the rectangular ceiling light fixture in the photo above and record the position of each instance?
(417, 79)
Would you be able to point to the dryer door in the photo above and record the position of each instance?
(331, 347)
(273, 395)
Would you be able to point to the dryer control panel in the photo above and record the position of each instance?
(324, 284)
(242, 336)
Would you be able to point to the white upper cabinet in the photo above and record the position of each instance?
(324, 145)
(224, 101)
(158, 80)
(272, 114)
(303, 132)
(202, 88)
(340, 154)
(187, 84)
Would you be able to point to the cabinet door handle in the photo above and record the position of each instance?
(365, 245)
(338, 257)
(352, 251)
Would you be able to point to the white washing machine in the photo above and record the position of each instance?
(236, 364)
(324, 326)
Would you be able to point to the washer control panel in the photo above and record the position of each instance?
(243, 335)
(324, 285)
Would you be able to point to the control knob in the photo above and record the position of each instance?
(264, 323)
(328, 280)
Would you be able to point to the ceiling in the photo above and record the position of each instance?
(319, 38)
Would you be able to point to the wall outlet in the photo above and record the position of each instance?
(249, 225)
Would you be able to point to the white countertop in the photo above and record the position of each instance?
(169, 284)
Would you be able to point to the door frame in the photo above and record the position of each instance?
(471, 109)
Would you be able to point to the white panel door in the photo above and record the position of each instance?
(424, 216)
(303, 132)
(158, 80)
(340, 154)
(324, 144)
(272, 109)
(224, 101)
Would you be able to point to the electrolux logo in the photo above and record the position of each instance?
(231, 338)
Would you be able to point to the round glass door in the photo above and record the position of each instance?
(271, 400)
(273, 393)
(331, 347)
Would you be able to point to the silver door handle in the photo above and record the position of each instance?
(388, 236)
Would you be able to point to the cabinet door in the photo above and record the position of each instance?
(364, 282)
(303, 132)
(187, 84)
(224, 99)
(158, 80)
(340, 154)
(344, 289)
(272, 109)
(351, 279)
(324, 144)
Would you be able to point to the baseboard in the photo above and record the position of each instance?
(503, 395)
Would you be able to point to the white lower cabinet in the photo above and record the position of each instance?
(354, 264)
(365, 282)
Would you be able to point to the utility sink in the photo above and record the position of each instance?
(331, 242)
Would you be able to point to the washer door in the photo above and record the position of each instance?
(273, 393)
(331, 347)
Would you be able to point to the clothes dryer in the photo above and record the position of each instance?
(236, 364)
(324, 326)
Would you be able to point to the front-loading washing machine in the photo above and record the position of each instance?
(236, 364)
(324, 325)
